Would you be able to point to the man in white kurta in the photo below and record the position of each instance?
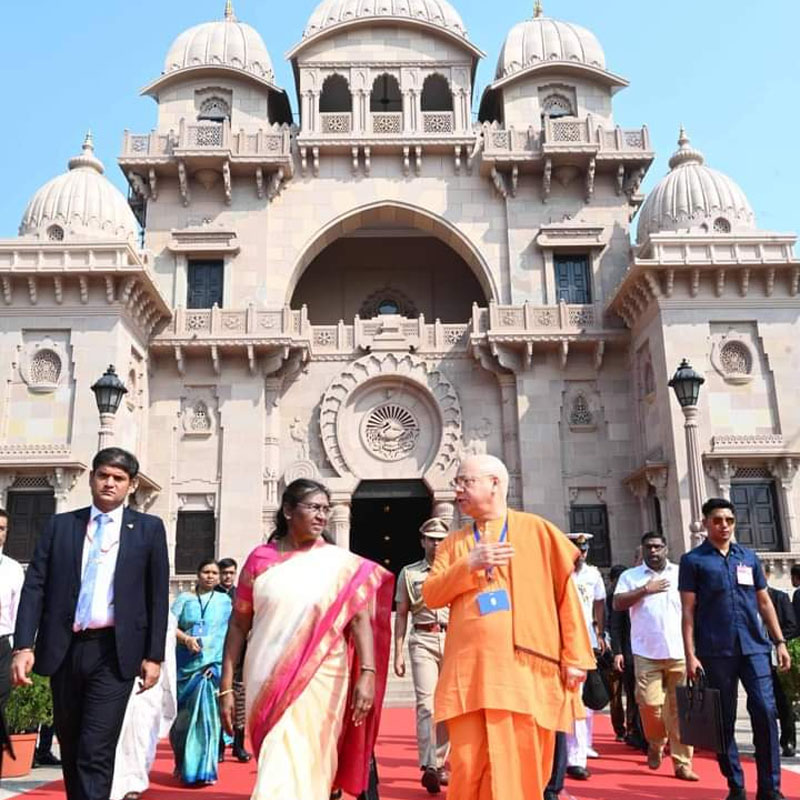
(592, 593)
(148, 718)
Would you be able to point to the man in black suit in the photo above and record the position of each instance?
(795, 577)
(93, 616)
(788, 623)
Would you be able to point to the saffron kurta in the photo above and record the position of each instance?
(510, 661)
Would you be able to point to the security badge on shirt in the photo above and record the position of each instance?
(744, 575)
(496, 600)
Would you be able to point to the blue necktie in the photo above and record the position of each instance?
(83, 611)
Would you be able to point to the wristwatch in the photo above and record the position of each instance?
(780, 641)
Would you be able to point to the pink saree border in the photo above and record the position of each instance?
(368, 586)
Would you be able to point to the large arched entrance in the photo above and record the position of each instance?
(390, 259)
(385, 521)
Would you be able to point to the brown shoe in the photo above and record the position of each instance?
(430, 780)
(655, 755)
(683, 772)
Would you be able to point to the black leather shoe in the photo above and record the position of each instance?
(430, 780)
(773, 795)
(46, 760)
(737, 794)
(578, 773)
(788, 750)
(550, 796)
(238, 749)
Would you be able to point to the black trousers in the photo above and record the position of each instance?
(556, 783)
(5, 670)
(785, 712)
(89, 701)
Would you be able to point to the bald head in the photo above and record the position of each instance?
(486, 465)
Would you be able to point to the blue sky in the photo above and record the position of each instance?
(728, 70)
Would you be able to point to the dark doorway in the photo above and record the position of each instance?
(594, 520)
(386, 519)
(757, 519)
(27, 513)
(195, 540)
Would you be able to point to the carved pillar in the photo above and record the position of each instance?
(658, 478)
(784, 470)
(63, 480)
(417, 100)
(339, 521)
(722, 471)
(510, 423)
(314, 120)
(307, 115)
(640, 490)
(6, 482)
(408, 111)
(272, 444)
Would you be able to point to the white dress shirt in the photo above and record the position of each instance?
(12, 577)
(656, 618)
(590, 586)
(102, 614)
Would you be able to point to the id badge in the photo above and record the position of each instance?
(198, 629)
(489, 602)
(744, 575)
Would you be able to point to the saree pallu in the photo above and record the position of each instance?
(301, 666)
(195, 734)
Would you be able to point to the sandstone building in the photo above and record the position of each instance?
(367, 292)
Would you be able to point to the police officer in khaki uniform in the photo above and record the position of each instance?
(426, 648)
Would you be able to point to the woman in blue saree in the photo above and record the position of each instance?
(202, 624)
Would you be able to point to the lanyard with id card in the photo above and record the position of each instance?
(493, 600)
(744, 575)
(199, 629)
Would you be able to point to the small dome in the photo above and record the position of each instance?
(434, 12)
(541, 40)
(80, 204)
(694, 198)
(226, 43)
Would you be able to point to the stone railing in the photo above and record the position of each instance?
(390, 122)
(438, 122)
(189, 323)
(338, 122)
(563, 133)
(209, 137)
(778, 566)
(528, 318)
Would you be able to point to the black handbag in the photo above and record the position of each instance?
(595, 693)
(700, 715)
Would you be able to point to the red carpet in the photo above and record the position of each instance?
(620, 774)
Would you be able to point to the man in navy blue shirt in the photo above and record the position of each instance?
(724, 600)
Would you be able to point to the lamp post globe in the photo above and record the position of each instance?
(686, 384)
(108, 391)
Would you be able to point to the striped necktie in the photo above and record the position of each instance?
(83, 611)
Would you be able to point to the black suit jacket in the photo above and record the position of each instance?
(785, 613)
(53, 580)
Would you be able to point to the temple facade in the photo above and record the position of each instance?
(365, 291)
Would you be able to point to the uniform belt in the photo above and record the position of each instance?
(431, 627)
(93, 633)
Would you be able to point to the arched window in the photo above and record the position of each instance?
(436, 94)
(214, 109)
(55, 233)
(385, 96)
(335, 97)
(45, 368)
(556, 105)
(721, 225)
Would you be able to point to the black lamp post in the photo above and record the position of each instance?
(108, 391)
(686, 384)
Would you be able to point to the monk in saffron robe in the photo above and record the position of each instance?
(517, 649)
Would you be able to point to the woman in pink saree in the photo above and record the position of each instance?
(318, 621)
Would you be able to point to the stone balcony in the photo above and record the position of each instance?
(567, 147)
(515, 329)
(393, 132)
(207, 152)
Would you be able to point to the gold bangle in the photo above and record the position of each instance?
(227, 691)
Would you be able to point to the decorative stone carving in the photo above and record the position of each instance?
(388, 301)
(399, 377)
(43, 365)
(581, 407)
(733, 358)
(580, 415)
(198, 415)
(302, 468)
(390, 431)
(298, 430)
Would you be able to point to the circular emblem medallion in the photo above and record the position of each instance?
(390, 432)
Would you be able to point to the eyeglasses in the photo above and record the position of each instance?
(317, 508)
(461, 482)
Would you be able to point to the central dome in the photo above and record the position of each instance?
(226, 43)
(433, 12)
(541, 40)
